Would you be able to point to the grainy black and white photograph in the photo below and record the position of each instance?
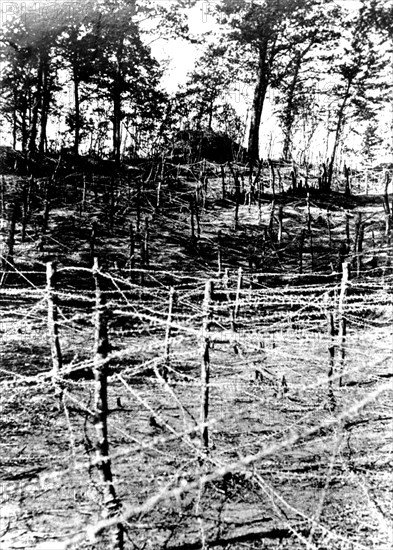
(196, 275)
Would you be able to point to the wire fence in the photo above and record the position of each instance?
(298, 384)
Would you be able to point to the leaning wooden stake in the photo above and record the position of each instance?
(386, 205)
(145, 246)
(2, 196)
(111, 505)
(169, 326)
(280, 225)
(359, 236)
(341, 316)
(132, 253)
(272, 177)
(223, 181)
(205, 364)
(93, 241)
(26, 200)
(301, 249)
(331, 330)
(219, 253)
(47, 205)
(308, 212)
(238, 291)
(11, 235)
(329, 226)
(192, 222)
(53, 326)
(84, 194)
(271, 219)
(347, 231)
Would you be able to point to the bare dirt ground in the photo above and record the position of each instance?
(293, 461)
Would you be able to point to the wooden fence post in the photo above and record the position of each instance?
(347, 232)
(359, 234)
(48, 189)
(271, 219)
(272, 177)
(145, 245)
(2, 196)
(329, 226)
(293, 180)
(111, 505)
(386, 205)
(53, 326)
(163, 371)
(132, 252)
(219, 253)
(301, 249)
(138, 205)
(223, 181)
(342, 320)
(93, 241)
(308, 212)
(238, 292)
(197, 219)
(331, 331)
(347, 181)
(158, 198)
(27, 190)
(84, 193)
(11, 235)
(112, 203)
(205, 364)
(280, 223)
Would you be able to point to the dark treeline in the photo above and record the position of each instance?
(85, 78)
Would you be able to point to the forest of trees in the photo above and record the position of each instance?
(83, 76)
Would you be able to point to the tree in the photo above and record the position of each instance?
(264, 31)
(78, 48)
(207, 84)
(355, 72)
(371, 141)
(30, 80)
(124, 68)
(313, 30)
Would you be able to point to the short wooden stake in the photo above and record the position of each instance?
(131, 255)
(169, 325)
(93, 241)
(111, 505)
(53, 326)
(341, 316)
(329, 226)
(223, 181)
(301, 249)
(205, 364)
(308, 212)
(280, 224)
(238, 292)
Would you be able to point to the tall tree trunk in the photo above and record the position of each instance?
(77, 113)
(340, 120)
(265, 62)
(210, 111)
(117, 89)
(116, 125)
(45, 108)
(289, 114)
(24, 132)
(37, 100)
(257, 108)
(14, 120)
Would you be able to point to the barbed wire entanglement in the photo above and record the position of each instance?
(236, 354)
